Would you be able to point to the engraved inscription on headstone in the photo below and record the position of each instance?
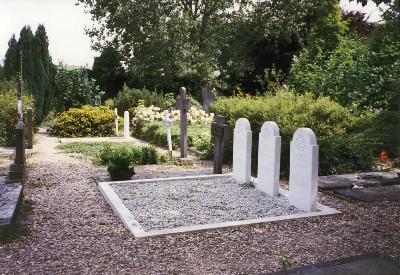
(242, 139)
(303, 179)
(269, 157)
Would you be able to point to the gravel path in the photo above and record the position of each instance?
(73, 231)
(190, 202)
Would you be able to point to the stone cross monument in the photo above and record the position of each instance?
(219, 130)
(19, 92)
(183, 104)
(168, 125)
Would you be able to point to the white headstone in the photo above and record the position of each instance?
(116, 121)
(126, 124)
(303, 178)
(242, 151)
(269, 158)
(168, 124)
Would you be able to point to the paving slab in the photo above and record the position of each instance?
(10, 195)
(335, 182)
(358, 265)
(372, 194)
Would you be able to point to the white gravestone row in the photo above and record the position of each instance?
(303, 184)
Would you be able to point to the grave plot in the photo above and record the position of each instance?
(161, 206)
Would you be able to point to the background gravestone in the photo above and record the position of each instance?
(183, 104)
(126, 124)
(208, 98)
(116, 121)
(167, 121)
(29, 128)
(219, 130)
(269, 158)
(242, 139)
(303, 178)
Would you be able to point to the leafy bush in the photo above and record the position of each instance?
(129, 98)
(121, 160)
(75, 89)
(353, 75)
(86, 121)
(9, 115)
(324, 116)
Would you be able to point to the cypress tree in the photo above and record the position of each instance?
(11, 64)
(44, 73)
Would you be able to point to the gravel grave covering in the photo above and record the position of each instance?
(171, 204)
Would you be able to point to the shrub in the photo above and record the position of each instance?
(75, 89)
(86, 121)
(129, 98)
(325, 117)
(152, 113)
(9, 115)
(121, 160)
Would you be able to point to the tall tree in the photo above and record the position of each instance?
(108, 72)
(44, 73)
(38, 69)
(164, 43)
(11, 64)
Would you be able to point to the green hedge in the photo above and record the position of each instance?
(9, 115)
(86, 121)
(325, 117)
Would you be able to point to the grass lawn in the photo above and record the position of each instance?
(91, 150)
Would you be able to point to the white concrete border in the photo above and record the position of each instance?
(133, 225)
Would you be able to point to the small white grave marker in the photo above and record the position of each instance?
(269, 158)
(168, 124)
(126, 124)
(303, 179)
(242, 138)
(116, 121)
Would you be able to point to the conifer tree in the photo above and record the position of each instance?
(11, 59)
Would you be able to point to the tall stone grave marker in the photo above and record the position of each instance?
(269, 158)
(183, 104)
(116, 121)
(219, 130)
(303, 178)
(242, 138)
(168, 125)
(30, 128)
(126, 125)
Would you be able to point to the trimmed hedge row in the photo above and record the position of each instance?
(339, 151)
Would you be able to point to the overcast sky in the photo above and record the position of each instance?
(65, 23)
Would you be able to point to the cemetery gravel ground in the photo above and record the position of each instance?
(73, 230)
